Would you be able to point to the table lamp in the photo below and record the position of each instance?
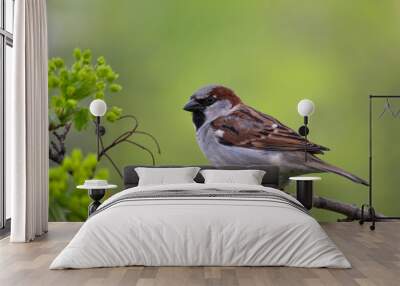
(98, 108)
(305, 108)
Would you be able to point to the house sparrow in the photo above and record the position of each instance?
(231, 133)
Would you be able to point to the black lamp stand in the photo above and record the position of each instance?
(100, 131)
(304, 193)
(371, 210)
(303, 131)
(96, 195)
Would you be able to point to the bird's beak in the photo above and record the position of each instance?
(193, 105)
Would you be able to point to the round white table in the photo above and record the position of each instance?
(304, 190)
(96, 193)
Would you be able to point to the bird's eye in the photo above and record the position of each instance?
(210, 100)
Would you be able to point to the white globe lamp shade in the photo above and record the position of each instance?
(305, 107)
(98, 107)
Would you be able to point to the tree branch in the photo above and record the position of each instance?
(121, 137)
(109, 158)
(153, 138)
(352, 212)
(124, 137)
(113, 164)
(53, 127)
(53, 156)
(143, 148)
(57, 150)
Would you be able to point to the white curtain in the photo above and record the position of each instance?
(27, 124)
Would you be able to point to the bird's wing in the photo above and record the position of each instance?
(246, 127)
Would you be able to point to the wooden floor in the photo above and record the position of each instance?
(375, 257)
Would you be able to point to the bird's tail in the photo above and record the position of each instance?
(325, 167)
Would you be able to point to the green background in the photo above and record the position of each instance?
(272, 53)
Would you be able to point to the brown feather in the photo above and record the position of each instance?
(222, 93)
(246, 127)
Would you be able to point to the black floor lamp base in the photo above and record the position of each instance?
(371, 216)
(371, 211)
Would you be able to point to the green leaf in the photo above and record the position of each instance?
(99, 94)
(77, 54)
(67, 163)
(70, 90)
(53, 81)
(102, 174)
(76, 66)
(71, 103)
(52, 65)
(81, 118)
(113, 114)
(58, 62)
(115, 87)
(57, 101)
(87, 56)
(103, 71)
(112, 76)
(64, 74)
(90, 162)
(101, 61)
(100, 85)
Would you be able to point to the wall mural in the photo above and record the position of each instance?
(231, 133)
(272, 53)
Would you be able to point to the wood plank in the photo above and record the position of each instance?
(375, 257)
